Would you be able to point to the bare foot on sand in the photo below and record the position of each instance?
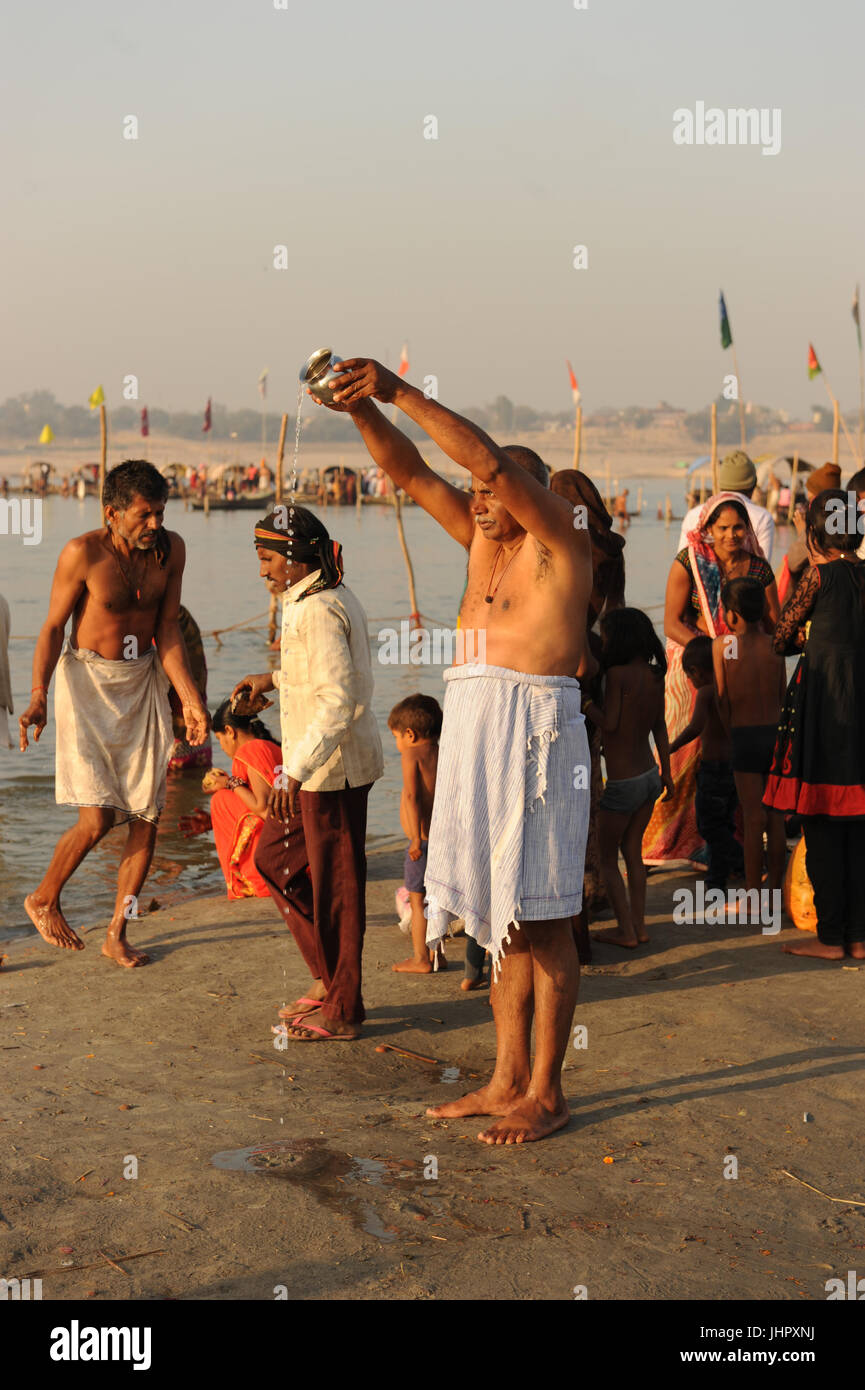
(51, 925)
(123, 954)
(856, 949)
(413, 967)
(527, 1122)
(489, 1100)
(614, 936)
(473, 984)
(815, 947)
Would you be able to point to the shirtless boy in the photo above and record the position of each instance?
(416, 725)
(508, 831)
(750, 683)
(121, 587)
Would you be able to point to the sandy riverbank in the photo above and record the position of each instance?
(707, 1044)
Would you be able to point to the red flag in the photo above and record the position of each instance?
(814, 367)
(145, 423)
(207, 421)
(574, 387)
(403, 361)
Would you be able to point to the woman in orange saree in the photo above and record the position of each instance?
(239, 803)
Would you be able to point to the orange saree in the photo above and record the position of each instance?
(236, 829)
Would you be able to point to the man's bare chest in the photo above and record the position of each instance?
(119, 587)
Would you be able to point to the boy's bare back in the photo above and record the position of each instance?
(419, 764)
(750, 677)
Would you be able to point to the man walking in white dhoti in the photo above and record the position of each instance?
(121, 587)
(510, 818)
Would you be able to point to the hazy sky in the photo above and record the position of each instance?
(304, 127)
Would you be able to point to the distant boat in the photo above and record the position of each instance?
(243, 502)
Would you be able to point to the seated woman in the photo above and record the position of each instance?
(239, 802)
(722, 546)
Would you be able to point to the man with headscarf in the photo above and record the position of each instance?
(312, 851)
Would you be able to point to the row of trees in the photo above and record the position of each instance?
(22, 418)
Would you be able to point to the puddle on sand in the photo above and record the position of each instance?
(317, 1169)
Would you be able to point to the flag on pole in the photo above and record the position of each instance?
(574, 385)
(47, 435)
(814, 367)
(145, 423)
(726, 332)
(97, 398)
(207, 420)
(856, 317)
(262, 384)
(403, 361)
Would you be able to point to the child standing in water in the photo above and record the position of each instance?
(750, 683)
(416, 724)
(634, 665)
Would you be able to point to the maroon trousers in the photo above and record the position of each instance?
(315, 868)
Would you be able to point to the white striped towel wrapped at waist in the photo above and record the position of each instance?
(510, 819)
(114, 735)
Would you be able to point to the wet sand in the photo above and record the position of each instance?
(707, 1043)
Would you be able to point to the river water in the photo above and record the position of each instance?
(221, 587)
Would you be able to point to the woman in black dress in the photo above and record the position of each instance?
(818, 769)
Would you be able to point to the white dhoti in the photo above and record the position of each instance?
(510, 820)
(114, 735)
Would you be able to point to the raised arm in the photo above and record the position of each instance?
(541, 513)
(67, 587)
(401, 460)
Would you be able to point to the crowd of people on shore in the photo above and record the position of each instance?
(511, 828)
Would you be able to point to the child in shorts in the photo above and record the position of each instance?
(750, 685)
(715, 802)
(416, 725)
(634, 664)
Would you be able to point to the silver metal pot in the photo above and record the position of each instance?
(317, 374)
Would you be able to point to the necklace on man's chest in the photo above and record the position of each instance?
(134, 590)
(491, 593)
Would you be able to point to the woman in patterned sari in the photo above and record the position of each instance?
(239, 802)
(722, 546)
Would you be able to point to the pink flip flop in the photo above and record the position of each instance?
(323, 1035)
(315, 1003)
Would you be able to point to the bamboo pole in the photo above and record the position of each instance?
(668, 512)
(578, 438)
(640, 500)
(715, 487)
(280, 455)
(793, 477)
(838, 418)
(739, 397)
(103, 447)
(702, 486)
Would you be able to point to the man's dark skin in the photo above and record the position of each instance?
(523, 550)
(96, 583)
